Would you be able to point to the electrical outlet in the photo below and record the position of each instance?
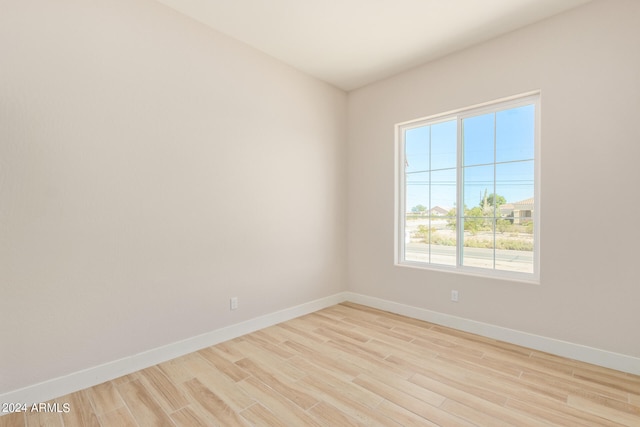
(454, 296)
(233, 303)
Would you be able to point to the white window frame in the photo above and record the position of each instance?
(400, 188)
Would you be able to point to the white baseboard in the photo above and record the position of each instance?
(64, 385)
(595, 356)
(61, 386)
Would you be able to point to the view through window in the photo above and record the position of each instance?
(468, 190)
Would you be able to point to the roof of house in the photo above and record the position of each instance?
(524, 204)
(438, 209)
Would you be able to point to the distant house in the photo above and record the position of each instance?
(506, 210)
(438, 211)
(520, 211)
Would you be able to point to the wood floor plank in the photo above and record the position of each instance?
(488, 344)
(273, 334)
(44, 419)
(395, 348)
(223, 365)
(386, 317)
(166, 393)
(481, 364)
(324, 357)
(262, 341)
(442, 341)
(364, 362)
(490, 414)
(175, 370)
(227, 389)
(287, 411)
(331, 416)
(300, 334)
(406, 386)
(125, 378)
(526, 364)
(570, 385)
(265, 357)
(228, 350)
(486, 383)
(212, 403)
(346, 403)
(413, 346)
(260, 416)
(81, 412)
(625, 414)
(14, 419)
(142, 405)
(322, 320)
(557, 413)
(379, 331)
(105, 398)
(120, 417)
(188, 417)
(289, 390)
(345, 333)
(345, 385)
(473, 401)
(438, 376)
(617, 380)
(403, 416)
(422, 407)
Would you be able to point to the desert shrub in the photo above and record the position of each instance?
(507, 244)
(529, 227)
(423, 233)
(478, 243)
(504, 225)
(443, 241)
(514, 245)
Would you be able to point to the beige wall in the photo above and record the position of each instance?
(150, 169)
(587, 64)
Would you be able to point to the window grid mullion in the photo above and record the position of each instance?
(495, 190)
(459, 195)
(429, 198)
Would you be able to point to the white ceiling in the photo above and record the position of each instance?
(350, 43)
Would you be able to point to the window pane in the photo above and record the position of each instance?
(416, 238)
(416, 250)
(443, 241)
(515, 182)
(417, 193)
(443, 145)
(443, 192)
(417, 149)
(477, 181)
(515, 134)
(514, 245)
(478, 242)
(443, 233)
(478, 139)
(416, 215)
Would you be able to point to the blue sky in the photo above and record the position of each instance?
(506, 136)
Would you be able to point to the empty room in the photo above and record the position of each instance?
(323, 213)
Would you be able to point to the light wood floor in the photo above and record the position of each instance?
(350, 365)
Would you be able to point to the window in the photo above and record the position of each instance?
(468, 193)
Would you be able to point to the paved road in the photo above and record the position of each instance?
(477, 257)
(501, 254)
